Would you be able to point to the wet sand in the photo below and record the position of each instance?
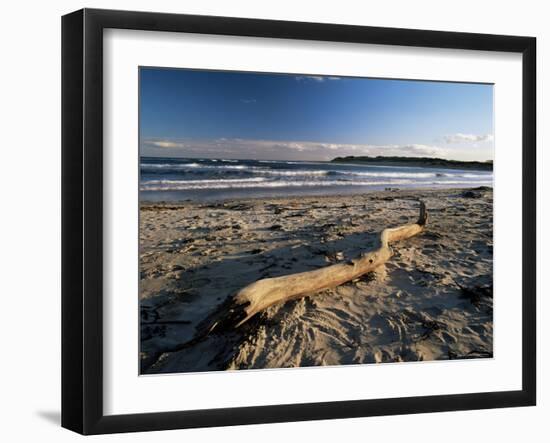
(431, 301)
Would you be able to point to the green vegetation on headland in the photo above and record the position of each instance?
(426, 162)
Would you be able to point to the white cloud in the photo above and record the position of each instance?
(165, 144)
(467, 138)
(284, 149)
(248, 100)
(316, 78)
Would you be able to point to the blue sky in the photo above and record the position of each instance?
(216, 114)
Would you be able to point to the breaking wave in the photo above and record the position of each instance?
(166, 175)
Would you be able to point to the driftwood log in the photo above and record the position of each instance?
(267, 292)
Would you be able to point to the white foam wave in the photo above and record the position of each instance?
(415, 175)
(206, 181)
(185, 185)
(389, 174)
(239, 184)
(169, 165)
(295, 173)
(184, 166)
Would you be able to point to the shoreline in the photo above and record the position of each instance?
(373, 191)
(193, 255)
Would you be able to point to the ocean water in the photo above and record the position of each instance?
(173, 179)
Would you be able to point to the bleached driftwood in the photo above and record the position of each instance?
(261, 294)
(264, 293)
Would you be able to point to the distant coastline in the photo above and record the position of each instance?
(426, 162)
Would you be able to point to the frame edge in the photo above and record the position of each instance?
(529, 221)
(72, 221)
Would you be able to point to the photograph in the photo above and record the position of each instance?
(291, 220)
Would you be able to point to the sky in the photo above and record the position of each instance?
(240, 115)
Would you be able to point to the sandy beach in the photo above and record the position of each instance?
(431, 301)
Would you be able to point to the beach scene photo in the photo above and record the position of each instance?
(293, 220)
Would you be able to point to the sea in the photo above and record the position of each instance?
(177, 179)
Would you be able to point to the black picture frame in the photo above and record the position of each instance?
(82, 218)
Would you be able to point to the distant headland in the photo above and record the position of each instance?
(427, 162)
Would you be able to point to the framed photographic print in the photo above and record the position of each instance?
(269, 221)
